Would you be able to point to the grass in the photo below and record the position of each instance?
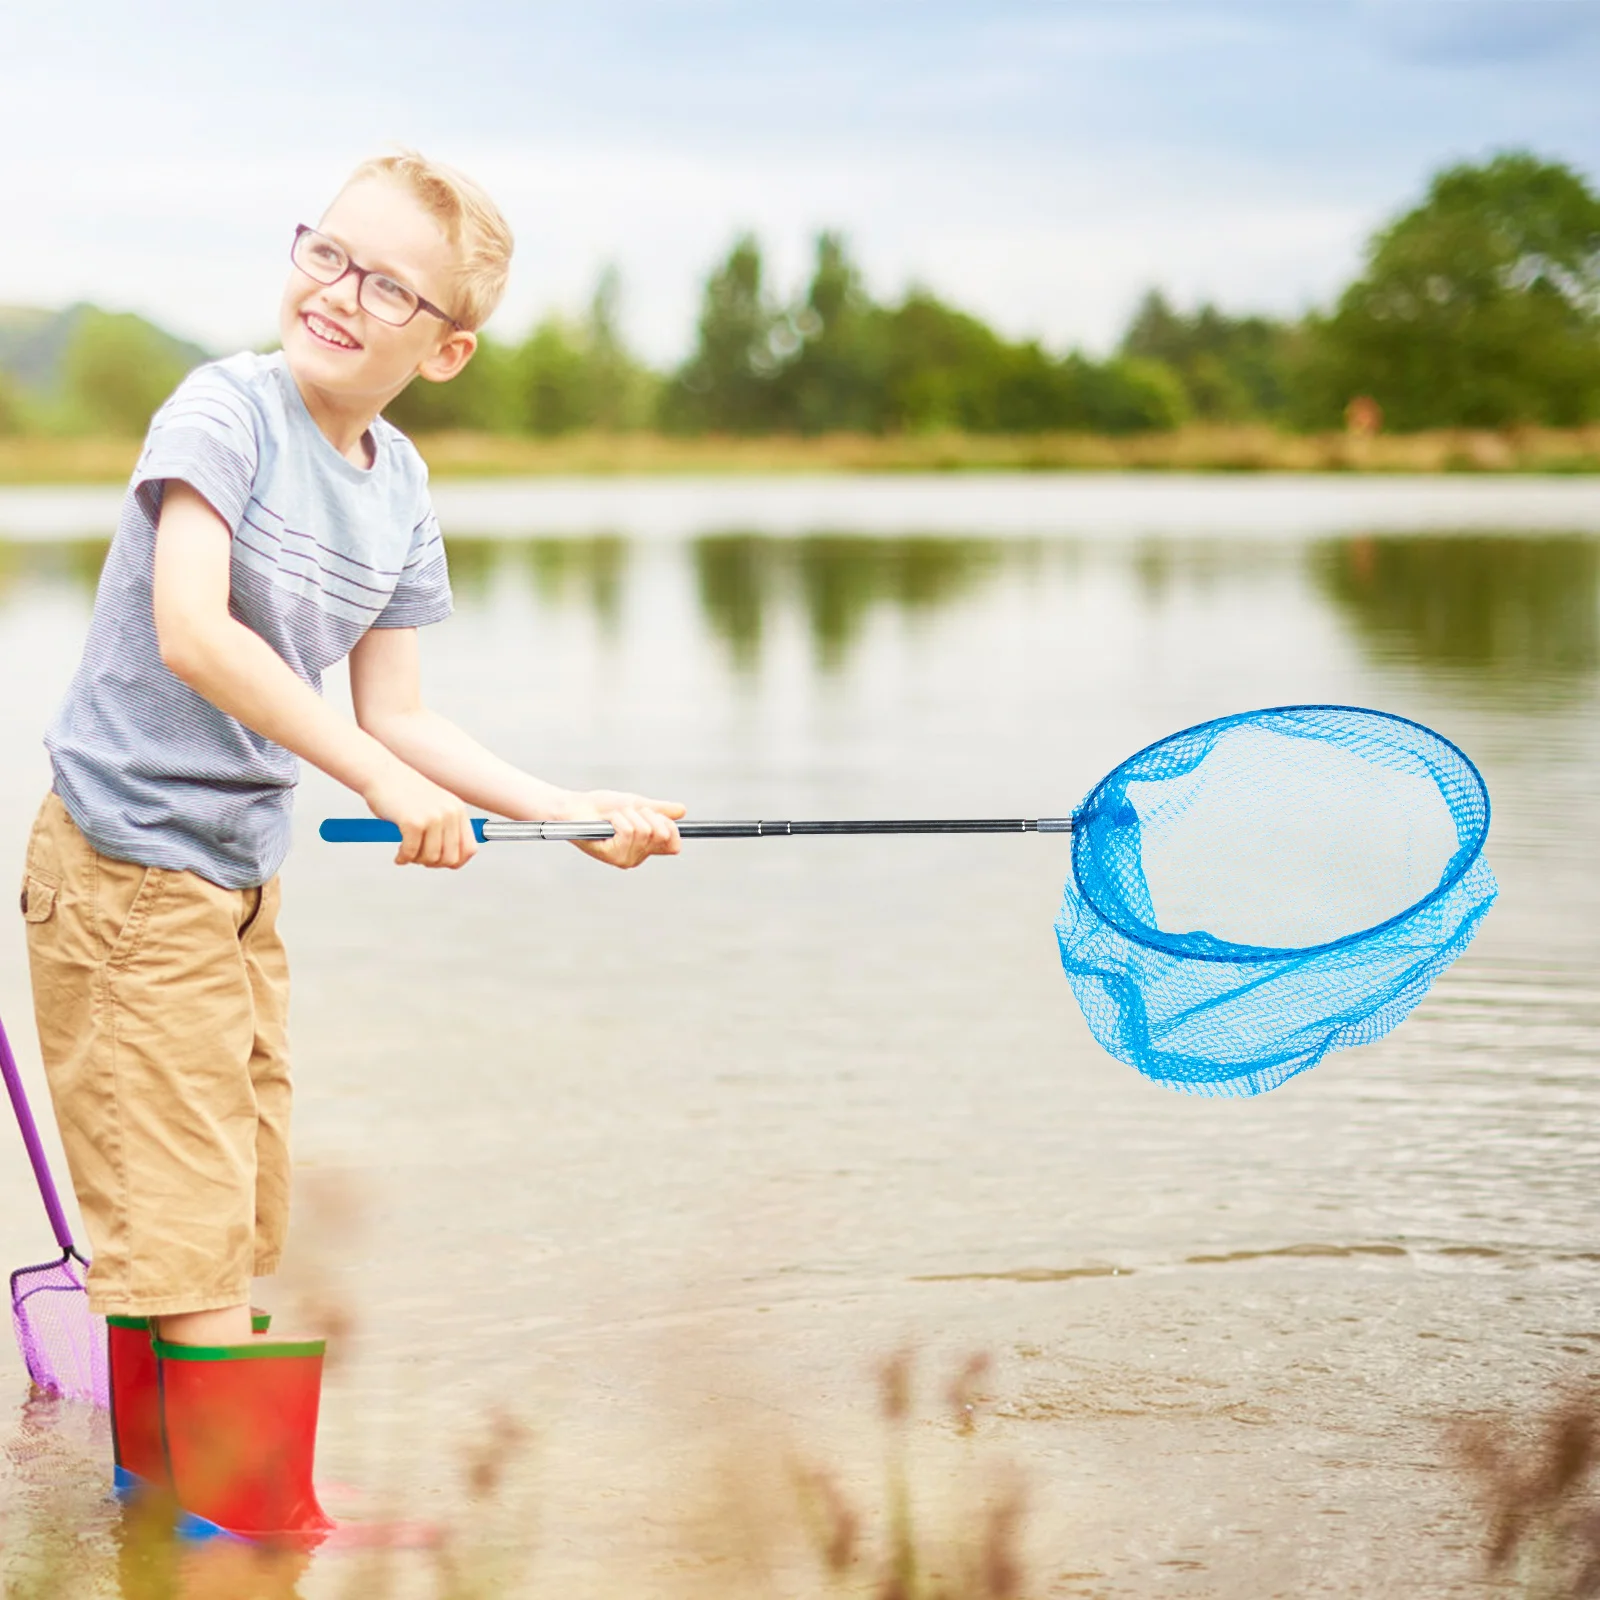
(1198, 448)
(1538, 1483)
(773, 1522)
(754, 1517)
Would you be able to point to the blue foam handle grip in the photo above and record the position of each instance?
(369, 830)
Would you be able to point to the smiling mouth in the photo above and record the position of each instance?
(328, 332)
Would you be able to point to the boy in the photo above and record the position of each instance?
(274, 524)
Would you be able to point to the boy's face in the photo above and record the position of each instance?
(338, 349)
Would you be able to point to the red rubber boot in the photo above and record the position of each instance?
(239, 1425)
(135, 1407)
(136, 1449)
(239, 1428)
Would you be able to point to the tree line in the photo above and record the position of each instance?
(1477, 307)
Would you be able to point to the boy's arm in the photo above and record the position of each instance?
(234, 668)
(386, 688)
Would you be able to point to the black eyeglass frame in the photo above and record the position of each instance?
(362, 274)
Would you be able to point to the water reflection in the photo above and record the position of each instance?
(836, 581)
(589, 571)
(839, 581)
(1512, 610)
(73, 563)
(733, 578)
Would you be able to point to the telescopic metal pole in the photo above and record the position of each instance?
(369, 830)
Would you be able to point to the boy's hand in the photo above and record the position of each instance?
(644, 827)
(434, 826)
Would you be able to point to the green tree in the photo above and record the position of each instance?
(728, 386)
(481, 398)
(838, 377)
(942, 366)
(566, 374)
(580, 374)
(621, 388)
(12, 418)
(948, 369)
(117, 370)
(1233, 369)
(834, 359)
(1124, 395)
(1480, 307)
(553, 378)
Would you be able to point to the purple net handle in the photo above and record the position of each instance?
(30, 1137)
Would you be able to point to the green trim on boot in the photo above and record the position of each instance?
(256, 1350)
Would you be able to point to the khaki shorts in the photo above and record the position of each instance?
(162, 1003)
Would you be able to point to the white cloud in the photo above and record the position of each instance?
(1040, 166)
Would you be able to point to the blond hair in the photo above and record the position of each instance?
(471, 221)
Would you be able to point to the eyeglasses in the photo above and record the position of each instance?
(379, 295)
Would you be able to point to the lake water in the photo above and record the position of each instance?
(664, 1163)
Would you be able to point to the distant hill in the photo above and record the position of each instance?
(34, 344)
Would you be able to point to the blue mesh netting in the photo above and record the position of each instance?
(1254, 892)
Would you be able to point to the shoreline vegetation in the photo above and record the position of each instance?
(42, 461)
(1470, 341)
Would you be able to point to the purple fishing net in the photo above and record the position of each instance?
(62, 1341)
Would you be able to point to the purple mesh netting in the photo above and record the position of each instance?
(62, 1341)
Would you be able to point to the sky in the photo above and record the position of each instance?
(1040, 164)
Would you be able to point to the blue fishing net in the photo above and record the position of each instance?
(1254, 892)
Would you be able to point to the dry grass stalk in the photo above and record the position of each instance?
(1199, 447)
(831, 1521)
(494, 1563)
(978, 1558)
(965, 1394)
(970, 1552)
(330, 1216)
(1541, 1495)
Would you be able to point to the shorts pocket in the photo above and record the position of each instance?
(125, 944)
(38, 899)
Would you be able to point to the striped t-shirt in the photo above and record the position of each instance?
(322, 550)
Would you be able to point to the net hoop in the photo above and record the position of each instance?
(1206, 947)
